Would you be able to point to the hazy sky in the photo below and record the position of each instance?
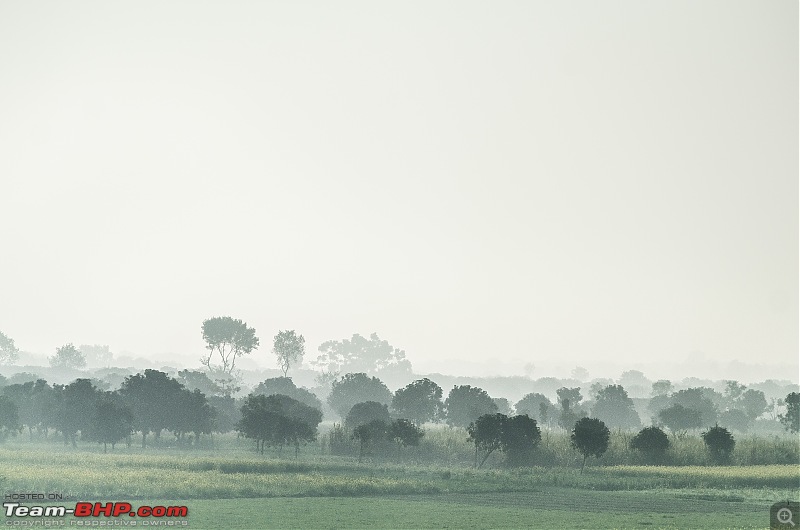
(551, 182)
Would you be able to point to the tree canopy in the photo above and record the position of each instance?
(590, 437)
(419, 401)
(9, 353)
(289, 348)
(357, 388)
(359, 354)
(615, 408)
(68, 356)
(229, 339)
(465, 404)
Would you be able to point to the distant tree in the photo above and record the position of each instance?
(9, 418)
(369, 434)
(572, 395)
(679, 418)
(230, 339)
(289, 348)
(195, 380)
(111, 422)
(363, 413)
(256, 418)
(358, 354)
(9, 353)
(652, 442)
(519, 439)
(700, 399)
(733, 390)
(580, 373)
(720, 443)
(357, 388)
(590, 437)
(74, 400)
(419, 401)
(285, 386)
(636, 382)
(531, 404)
(36, 404)
(503, 406)
(465, 404)
(485, 433)
(68, 356)
(569, 400)
(96, 355)
(405, 434)
(791, 418)
(193, 414)
(753, 403)
(615, 408)
(662, 387)
(227, 413)
(278, 420)
(736, 419)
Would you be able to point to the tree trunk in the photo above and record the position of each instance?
(144, 439)
(105, 448)
(583, 464)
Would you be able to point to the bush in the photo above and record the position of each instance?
(653, 442)
(720, 443)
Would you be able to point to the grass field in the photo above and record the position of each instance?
(240, 489)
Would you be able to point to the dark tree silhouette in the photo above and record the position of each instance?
(369, 434)
(720, 443)
(519, 439)
(75, 400)
(111, 422)
(419, 401)
(486, 434)
(791, 418)
(363, 413)
(679, 418)
(590, 437)
(9, 418)
(652, 442)
(465, 404)
(154, 398)
(405, 434)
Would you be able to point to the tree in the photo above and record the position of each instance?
(700, 399)
(230, 339)
(9, 418)
(278, 420)
(485, 433)
(569, 400)
(615, 408)
(75, 398)
(736, 419)
(112, 421)
(154, 398)
(405, 434)
(357, 388)
(194, 380)
(465, 404)
(720, 443)
(9, 353)
(68, 356)
(503, 406)
(419, 401)
(289, 348)
(285, 386)
(193, 414)
(365, 412)
(679, 418)
(531, 404)
(753, 403)
(662, 387)
(791, 418)
(96, 355)
(519, 439)
(651, 441)
(368, 434)
(362, 355)
(590, 437)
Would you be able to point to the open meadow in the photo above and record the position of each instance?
(229, 485)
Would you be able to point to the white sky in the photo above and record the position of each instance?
(497, 182)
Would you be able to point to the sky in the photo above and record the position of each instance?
(484, 184)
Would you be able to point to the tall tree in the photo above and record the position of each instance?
(9, 353)
(289, 348)
(615, 408)
(418, 401)
(68, 356)
(791, 418)
(154, 398)
(229, 339)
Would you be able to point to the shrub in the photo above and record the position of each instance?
(651, 441)
(720, 443)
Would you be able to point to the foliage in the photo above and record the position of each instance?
(615, 408)
(503, 406)
(74, 399)
(700, 399)
(791, 418)
(735, 419)
(9, 418)
(516, 436)
(357, 388)
(651, 441)
(153, 397)
(97, 354)
(9, 353)
(720, 443)
(68, 356)
(485, 433)
(111, 422)
(289, 348)
(420, 401)
(278, 420)
(569, 400)
(679, 418)
(358, 354)
(405, 433)
(531, 404)
(366, 412)
(590, 437)
(285, 386)
(230, 339)
(370, 433)
(194, 380)
(662, 387)
(465, 404)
